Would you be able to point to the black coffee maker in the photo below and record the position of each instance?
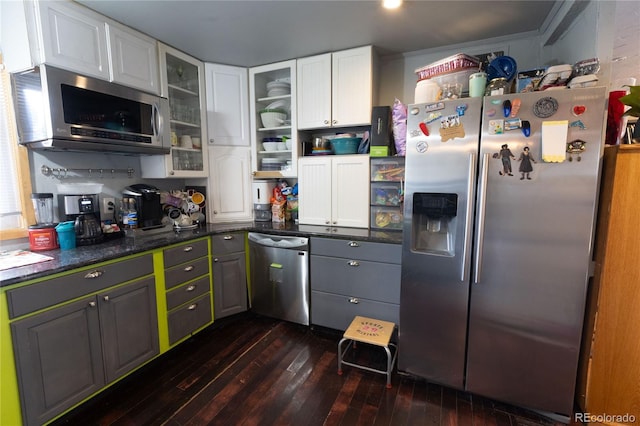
(147, 204)
(87, 222)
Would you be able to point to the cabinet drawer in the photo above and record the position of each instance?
(231, 242)
(185, 320)
(185, 272)
(354, 249)
(335, 311)
(370, 280)
(185, 252)
(186, 292)
(57, 290)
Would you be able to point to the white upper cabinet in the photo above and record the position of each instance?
(133, 58)
(336, 89)
(72, 37)
(230, 184)
(182, 78)
(272, 91)
(68, 35)
(314, 92)
(227, 105)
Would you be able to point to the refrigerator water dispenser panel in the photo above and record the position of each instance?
(434, 223)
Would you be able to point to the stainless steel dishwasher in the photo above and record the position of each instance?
(279, 271)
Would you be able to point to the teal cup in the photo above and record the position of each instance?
(66, 235)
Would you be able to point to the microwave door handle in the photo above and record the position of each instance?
(156, 120)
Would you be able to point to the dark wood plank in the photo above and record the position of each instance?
(252, 370)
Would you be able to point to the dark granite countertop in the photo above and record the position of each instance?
(140, 241)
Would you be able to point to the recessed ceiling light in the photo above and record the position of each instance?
(391, 4)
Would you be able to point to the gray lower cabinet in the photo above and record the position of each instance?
(351, 277)
(229, 274)
(187, 276)
(67, 353)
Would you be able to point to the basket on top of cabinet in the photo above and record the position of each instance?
(387, 193)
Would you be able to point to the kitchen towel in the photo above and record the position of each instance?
(554, 141)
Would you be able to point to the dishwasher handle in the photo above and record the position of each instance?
(279, 241)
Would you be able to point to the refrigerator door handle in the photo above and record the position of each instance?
(482, 197)
(469, 217)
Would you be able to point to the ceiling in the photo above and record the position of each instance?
(250, 33)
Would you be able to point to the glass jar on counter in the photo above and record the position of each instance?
(498, 86)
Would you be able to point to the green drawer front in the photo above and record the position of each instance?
(185, 320)
(226, 243)
(38, 296)
(185, 252)
(186, 272)
(186, 292)
(354, 249)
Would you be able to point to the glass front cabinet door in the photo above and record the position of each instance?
(182, 81)
(274, 138)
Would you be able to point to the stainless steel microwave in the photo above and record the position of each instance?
(61, 110)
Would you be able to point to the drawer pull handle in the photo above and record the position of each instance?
(188, 268)
(187, 249)
(92, 304)
(192, 306)
(353, 263)
(106, 298)
(228, 237)
(191, 287)
(353, 244)
(93, 274)
(354, 300)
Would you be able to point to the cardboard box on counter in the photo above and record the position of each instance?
(527, 81)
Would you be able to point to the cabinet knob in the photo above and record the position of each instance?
(335, 222)
(192, 306)
(353, 244)
(191, 287)
(211, 140)
(354, 300)
(228, 237)
(188, 268)
(328, 222)
(172, 173)
(215, 259)
(94, 274)
(106, 298)
(334, 122)
(353, 263)
(326, 121)
(187, 249)
(92, 304)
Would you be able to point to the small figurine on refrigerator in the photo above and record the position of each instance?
(525, 163)
(505, 155)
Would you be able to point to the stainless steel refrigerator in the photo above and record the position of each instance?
(500, 206)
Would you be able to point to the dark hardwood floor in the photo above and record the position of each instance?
(250, 370)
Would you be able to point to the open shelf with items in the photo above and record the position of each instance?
(272, 87)
(387, 192)
(182, 82)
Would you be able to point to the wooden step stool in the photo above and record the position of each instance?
(371, 331)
